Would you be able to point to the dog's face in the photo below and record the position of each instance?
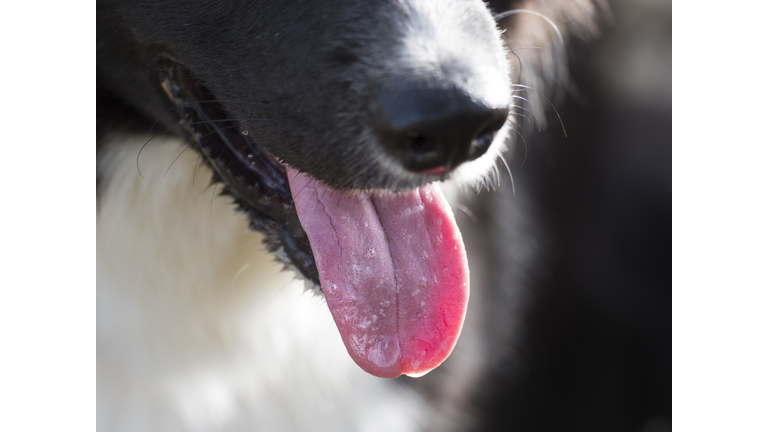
(354, 95)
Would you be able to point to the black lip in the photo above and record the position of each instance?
(255, 179)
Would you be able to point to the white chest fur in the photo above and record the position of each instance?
(199, 330)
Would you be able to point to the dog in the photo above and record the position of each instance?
(239, 139)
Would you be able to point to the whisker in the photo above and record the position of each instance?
(519, 62)
(213, 194)
(521, 115)
(138, 156)
(524, 143)
(523, 48)
(560, 53)
(293, 198)
(194, 172)
(142, 149)
(174, 161)
(520, 97)
(467, 211)
(161, 116)
(529, 112)
(547, 99)
(205, 102)
(305, 186)
(197, 162)
(510, 174)
(511, 12)
(293, 201)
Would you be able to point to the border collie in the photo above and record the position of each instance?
(239, 138)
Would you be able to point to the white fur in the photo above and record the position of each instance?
(198, 329)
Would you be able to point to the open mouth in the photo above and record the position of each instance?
(256, 180)
(392, 266)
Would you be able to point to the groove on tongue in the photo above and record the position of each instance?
(393, 270)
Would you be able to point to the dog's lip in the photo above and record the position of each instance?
(256, 180)
(436, 170)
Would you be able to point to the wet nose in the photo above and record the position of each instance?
(434, 129)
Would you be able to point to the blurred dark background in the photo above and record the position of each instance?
(599, 336)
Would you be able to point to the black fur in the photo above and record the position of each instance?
(298, 75)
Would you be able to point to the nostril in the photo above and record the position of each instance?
(434, 129)
(422, 151)
(482, 143)
(485, 137)
(421, 145)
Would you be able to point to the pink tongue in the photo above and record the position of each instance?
(393, 270)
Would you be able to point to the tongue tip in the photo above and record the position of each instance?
(377, 372)
(419, 374)
(396, 370)
(412, 364)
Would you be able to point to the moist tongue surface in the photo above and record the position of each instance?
(393, 270)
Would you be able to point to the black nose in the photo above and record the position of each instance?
(431, 129)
